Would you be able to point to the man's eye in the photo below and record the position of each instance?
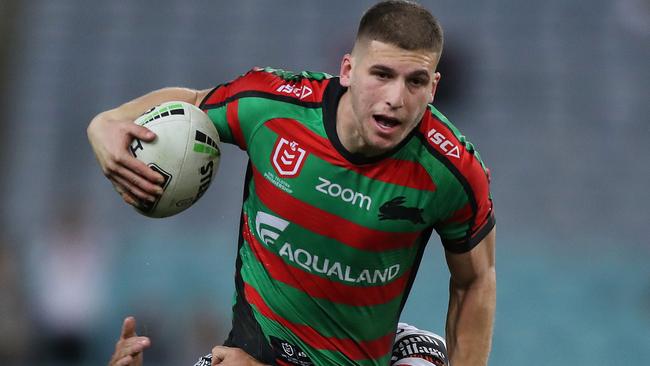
(382, 75)
(417, 82)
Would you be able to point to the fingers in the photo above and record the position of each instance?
(141, 133)
(129, 348)
(130, 199)
(232, 356)
(127, 182)
(128, 328)
(110, 139)
(126, 195)
(219, 354)
(133, 188)
(142, 171)
(134, 180)
(124, 361)
(129, 351)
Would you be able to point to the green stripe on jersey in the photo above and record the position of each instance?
(262, 109)
(317, 356)
(218, 118)
(292, 76)
(447, 184)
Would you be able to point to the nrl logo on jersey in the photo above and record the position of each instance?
(300, 92)
(288, 158)
(448, 147)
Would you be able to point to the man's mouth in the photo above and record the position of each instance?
(385, 121)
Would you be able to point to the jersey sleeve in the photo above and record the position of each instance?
(466, 226)
(239, 107)
(222, 105)
(470, 213)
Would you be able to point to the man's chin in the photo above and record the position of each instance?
(378, 145)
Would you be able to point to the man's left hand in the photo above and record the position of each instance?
(229, 356)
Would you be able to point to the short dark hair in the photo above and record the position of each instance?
(405, 24)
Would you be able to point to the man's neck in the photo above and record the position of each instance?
(347, 129)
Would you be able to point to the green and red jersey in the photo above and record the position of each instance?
(330, 241)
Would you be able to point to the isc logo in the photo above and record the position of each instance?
(299, 91)
(445, 145)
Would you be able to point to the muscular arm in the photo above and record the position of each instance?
(111, 132)
(134, 108)
(472, 301)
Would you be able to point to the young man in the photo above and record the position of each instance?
(412, 347)
(347, 178)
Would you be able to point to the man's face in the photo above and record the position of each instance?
(389, 89)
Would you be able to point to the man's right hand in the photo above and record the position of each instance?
(110, 138)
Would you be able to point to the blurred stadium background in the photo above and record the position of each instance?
(554, 94)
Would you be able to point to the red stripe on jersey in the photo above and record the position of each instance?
(256, 80)
(399, 172)
(319, 287)
(442, 139)
(462, 214)
(217, 96)
(352, 349)
(232, 116)
(302, 89)
(326, 224)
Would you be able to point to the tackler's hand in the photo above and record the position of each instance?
(129, 348)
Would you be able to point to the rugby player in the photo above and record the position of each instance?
(347, 178)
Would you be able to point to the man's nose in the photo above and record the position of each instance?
(395, 95)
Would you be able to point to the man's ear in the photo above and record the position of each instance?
(436, 80)
(346, 70)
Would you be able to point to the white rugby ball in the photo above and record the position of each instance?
(185, 152)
